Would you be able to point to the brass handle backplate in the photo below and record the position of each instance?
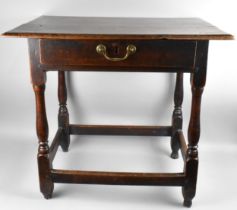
(101, 49)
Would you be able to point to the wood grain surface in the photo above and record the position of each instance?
(58, 27)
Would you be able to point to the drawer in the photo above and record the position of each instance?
(148, 53)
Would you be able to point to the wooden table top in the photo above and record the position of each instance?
(59, 27)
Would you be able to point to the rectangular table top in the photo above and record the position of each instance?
(59, 27)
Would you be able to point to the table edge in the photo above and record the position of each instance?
(119, 36)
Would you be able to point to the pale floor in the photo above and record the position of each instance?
(217, 185)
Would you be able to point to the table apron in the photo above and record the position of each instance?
(149, 55)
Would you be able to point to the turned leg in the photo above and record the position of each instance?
(198, 79)
(46, 184)
(63, 116)
(177, 118)
(191, 165)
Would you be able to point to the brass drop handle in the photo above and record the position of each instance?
(101, 49)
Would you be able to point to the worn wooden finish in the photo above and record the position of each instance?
(56, 142)
(38, 75)
(49, 27)
(120, 130)
(177, 118)
(46, 184)
(118, 178)
(63, 116)
(182, 143)
(198, 80)
(162, 45)
(153, 55)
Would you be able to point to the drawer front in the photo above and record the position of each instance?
(148, 54)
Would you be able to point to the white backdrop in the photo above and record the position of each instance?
(117, 98)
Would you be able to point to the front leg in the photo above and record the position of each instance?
(38, 78)
(191, 165)
(198, 80)
(44, 165)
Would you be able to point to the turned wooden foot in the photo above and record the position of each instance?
(175, 146)
(187, 203)
(48, 195)
(174, 155)
(65, 141)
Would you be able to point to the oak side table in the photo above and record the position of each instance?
(178, 45)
